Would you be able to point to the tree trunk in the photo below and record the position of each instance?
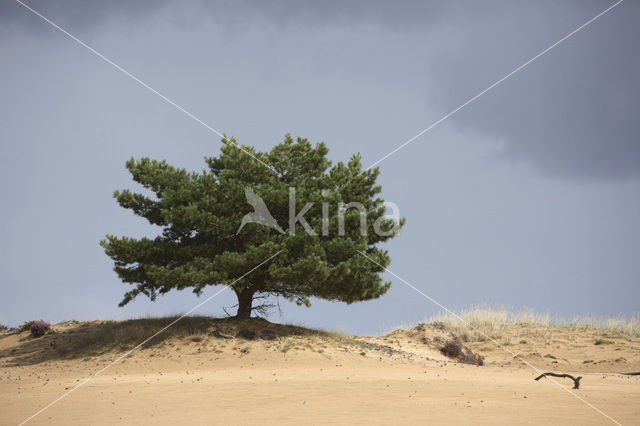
(245, 304)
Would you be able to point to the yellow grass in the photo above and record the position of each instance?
(477, 323)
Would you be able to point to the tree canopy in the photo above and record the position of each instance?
(200, 215)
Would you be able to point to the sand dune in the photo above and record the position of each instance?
(306, 376)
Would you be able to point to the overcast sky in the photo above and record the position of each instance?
(529, 196)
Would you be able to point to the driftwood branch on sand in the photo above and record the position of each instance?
(576, 380)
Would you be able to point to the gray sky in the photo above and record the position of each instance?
(530, 196)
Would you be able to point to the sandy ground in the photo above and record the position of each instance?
(314, 380)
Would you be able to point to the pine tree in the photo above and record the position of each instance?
(200, 214)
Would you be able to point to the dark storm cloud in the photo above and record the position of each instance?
(81, 14)
(77, 15)
(573, 113)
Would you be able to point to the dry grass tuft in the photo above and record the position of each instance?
(478, 323)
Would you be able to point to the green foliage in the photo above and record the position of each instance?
(27, 325)
(199, 214)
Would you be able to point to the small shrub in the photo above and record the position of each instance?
(454, 349)
(39, 328)
(248, 334)
(603, 342)
(3, 328)
(257, 334)
(26, 326)
(268, 335)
